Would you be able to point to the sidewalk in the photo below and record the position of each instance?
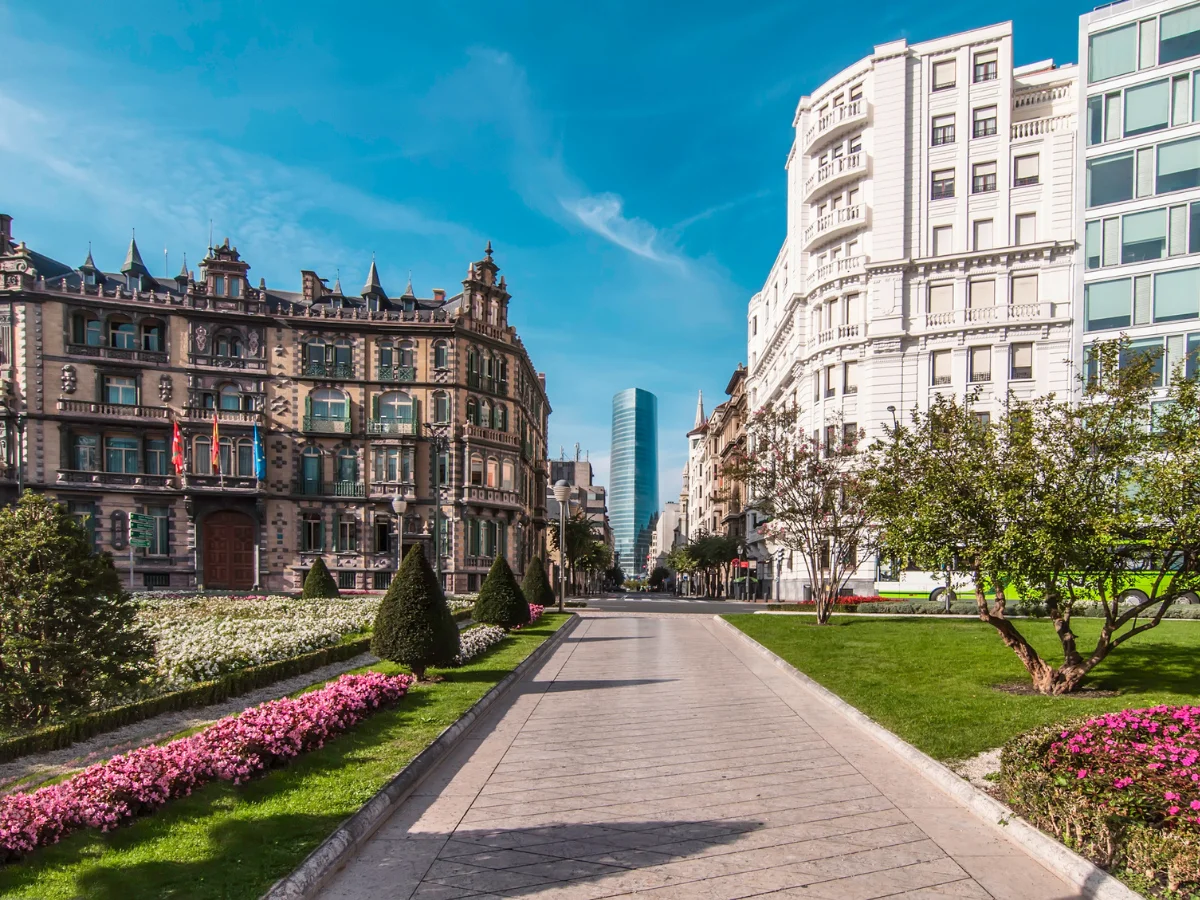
(650, 756)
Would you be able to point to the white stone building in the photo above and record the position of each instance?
(930, 244)
(1140, 197)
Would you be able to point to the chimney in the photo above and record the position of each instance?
(5, 231)
(439, 295)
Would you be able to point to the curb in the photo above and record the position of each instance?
(319, 866)
(1092, 881)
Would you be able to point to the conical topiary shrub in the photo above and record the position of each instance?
(413, 626)
(500, 600)
(319, 583)
(536, 586)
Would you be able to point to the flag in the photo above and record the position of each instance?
(177, 450)
(216, 447)
(260, 456)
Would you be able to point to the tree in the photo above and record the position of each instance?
(500, 600)
(581, 536)
(712, 554)
(814, 498)
(68, 630)
(414, 626)
(536, 586)
(615, 577)
(658, 577)
(319, 584)
(1062, 504)
(681, 560)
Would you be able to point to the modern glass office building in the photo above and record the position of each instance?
(633, 495)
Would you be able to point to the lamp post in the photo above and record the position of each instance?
(562, 493)
(399, 505)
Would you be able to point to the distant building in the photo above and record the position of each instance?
(634, 475)
(665, 536)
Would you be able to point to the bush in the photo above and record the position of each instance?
(500, 599)
(536, 586)
(1117, 788)
(658, 577)
(68, 633)
(319, 583)
(414, 626)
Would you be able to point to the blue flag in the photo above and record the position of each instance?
(260, 457)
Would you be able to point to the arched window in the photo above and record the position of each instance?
(408, 353)
(202, 456)
(85, 329)
(152, 337)
(314, 357)
(493, 307)
(347, 470)
(476, 469)
(343, 358)
(122, 335)
(441, 355)
(226, 447)
(328, 404)
(387, 357)
(310, 471)
(493, 472)
(441, 407)
(472, 411)
(394, 407)
(245, 458)
(506, 475)
(228, 345)
(230, 397)
(485, 413)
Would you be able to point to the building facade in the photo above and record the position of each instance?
(634, 476)
(356, 401)
(1140, 194)
(930, 246)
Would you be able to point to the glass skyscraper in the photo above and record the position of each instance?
(633, 497)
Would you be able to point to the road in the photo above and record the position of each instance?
(660, 603)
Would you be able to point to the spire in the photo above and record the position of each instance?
(488, 252)
(133, 260)
(89, 263)
(408, 291)
(699, 410)
(337, 284)
(182, 277)
(373, 287)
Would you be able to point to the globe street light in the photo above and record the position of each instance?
(399, 505)
(562, 493)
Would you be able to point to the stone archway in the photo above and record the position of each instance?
(228, 541)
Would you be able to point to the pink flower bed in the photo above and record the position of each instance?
(232, 749)
(535, 612)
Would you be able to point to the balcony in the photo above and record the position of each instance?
(389, 489)
(838, 268)
(838, 170)
(403, 427)
(834, 223)
(314, 369)
(478, 432)
(477, 562)
(77, 477)
(224, 416)
(227, 362)
(486, 496)
(995, 315)
(838, 120)
(314, 425)
(397, 373)
(115, 353)
(308, 488)
(113, 410)
(221, 483)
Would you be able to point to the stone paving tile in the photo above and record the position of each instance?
(665, 761)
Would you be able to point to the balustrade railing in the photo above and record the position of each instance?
(327, 426)
(117, 410)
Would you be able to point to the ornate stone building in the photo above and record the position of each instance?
(357, 400)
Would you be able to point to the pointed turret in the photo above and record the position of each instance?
(373, 288)
(408, 290)
(700, 419)
(133, 261)
(337, 284)
(182, 278)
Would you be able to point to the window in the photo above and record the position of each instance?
(120, 390)
(492, 472)
(943, 75)
(1026, 170)
(156, 457)
(476, 469)
(152, 338)
(1180, 100)
(346, 467)
(225, 456)
(245, 458)
(1150, 349)
(1178, 165)
(85, 330)
(1095, 120)
(940, 366)
(1092, 244)
(84, 514)
(986, 66)
(831, 445)
(1020, 362)
(228, 346)
(310, 471)
(980, 360)
(830, 381)
(982, 294)
(443, 467)
(1110, 179)
(1194, 228)
(202, 456)
(1147, 107)
(1024, 290)
(441, 407)
(982, 234)
(506, 475)
(983, 122)
(943, 240)
(347, 534)
(312, 532)
(983, 178)
(160, 544)
(1107, 304)
(1113, 53)
(943, 184)
(1026, 228)
(383, 534)
(122, 335)
(394, 464)
(943, 130)
(1144, 236)
(219, 285)
(850, 437)
(941, 298)
(235, 286)
(1177, 295)
(850, 377)
(1180, 34)
(408, 355)
(441, 355)
(395, 406)
(121, 454)
(1193, 356)
(328, 404)
(85, 453)
(230, 397)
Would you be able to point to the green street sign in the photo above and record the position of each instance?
(138, 526)
(136, 519)
(139, 542)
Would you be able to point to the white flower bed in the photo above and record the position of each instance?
(457, 605)
(474, 641)
(200, 638)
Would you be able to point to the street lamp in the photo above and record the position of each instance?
(562, 493)
(399, 505)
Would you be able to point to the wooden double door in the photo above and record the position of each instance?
(228, 541)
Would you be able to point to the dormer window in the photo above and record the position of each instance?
(235, 287)
(219, 285)
(89, 278)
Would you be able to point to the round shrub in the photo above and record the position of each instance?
(500, 599)
(319, 584)
(414, 626)
(536, 586)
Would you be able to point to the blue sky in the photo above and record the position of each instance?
(626, 159)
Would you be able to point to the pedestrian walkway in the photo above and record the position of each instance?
(653, 756)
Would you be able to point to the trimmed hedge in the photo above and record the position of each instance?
(205, 693)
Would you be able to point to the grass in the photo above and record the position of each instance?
(932, 681)
(226, 842)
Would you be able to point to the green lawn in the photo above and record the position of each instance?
(931, 681)
(227, 842)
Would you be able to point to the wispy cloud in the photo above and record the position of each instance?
(603, 214)
(720, 208)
